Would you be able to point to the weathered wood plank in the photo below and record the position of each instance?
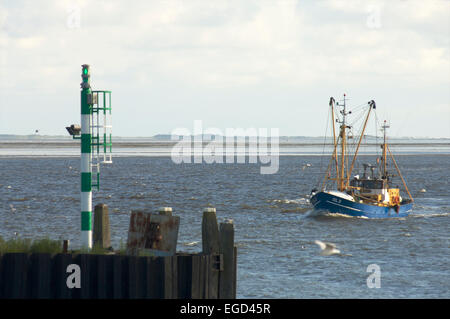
(133, 277)
(93, 275)
(196, 286)
(143, 273)
(119, 287)
(226, 278)
(14, 275)
(234, 272)
(170, 277)
(105, 277)
(1, 277)
(205, 276)
(85, 292)
(59, 271)
(184, 273)
(155, 278)
(39, 280)
(213, 277)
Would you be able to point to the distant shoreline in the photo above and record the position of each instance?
(120, 144)
(167, 138)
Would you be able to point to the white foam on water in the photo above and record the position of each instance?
(292, 201)
(428, 215)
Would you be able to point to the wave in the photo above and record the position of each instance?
(245, 206)
(301, 200)
(137, 196)
(23, 199)
(412, 215)
(428, 215)
(323, 214)
(296, 210)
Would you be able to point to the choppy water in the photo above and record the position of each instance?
(275, 229)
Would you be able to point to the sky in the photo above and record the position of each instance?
(229, 63)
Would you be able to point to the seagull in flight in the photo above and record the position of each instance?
(327, 249)
(190, 244)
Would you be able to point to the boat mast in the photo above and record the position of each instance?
(343, 145)
(334, 136)
(384, 127)
(334, 157)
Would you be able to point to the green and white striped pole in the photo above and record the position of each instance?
(86, 150)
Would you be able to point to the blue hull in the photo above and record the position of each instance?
(334, 204)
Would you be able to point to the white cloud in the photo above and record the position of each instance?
(224, 44)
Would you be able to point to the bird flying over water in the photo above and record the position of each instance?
(327, 249)
(193, 243)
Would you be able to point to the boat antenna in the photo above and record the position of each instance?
(384, 127)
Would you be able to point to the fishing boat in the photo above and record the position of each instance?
(374, 194)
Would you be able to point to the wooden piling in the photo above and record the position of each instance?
(65, 248)
(153, 234)
(165, 211)
(210, 231)
(211, 247)
(226, 280)
(102, 235)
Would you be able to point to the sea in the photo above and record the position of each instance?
(275, 227)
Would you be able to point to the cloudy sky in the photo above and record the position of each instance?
(229, 63)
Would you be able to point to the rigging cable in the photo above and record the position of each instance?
(324, 144)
